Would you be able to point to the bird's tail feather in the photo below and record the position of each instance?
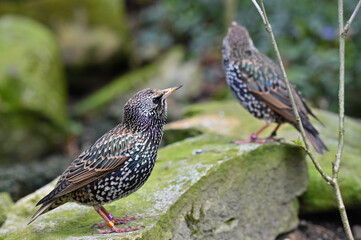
(316, 142)
(313, 115)
(44, 208)
(313, 136)
(50, 205)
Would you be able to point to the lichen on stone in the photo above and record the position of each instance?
(211, 194)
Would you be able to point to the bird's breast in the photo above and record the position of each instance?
(126, 179)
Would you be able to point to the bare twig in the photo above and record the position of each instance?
(341, 104)
(290, 93)
(341, 91)
(332, 181)
(348, 23)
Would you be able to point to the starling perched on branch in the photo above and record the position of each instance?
(257, 83)
(118, 163)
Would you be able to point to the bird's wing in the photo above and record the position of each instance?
(106, 154)
(266, 83)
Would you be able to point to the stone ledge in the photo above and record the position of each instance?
(219, 191)
(230, 119)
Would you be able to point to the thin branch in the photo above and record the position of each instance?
(341, 99)
(342, 210)
(332, 181)
(341, 92)
(348, 23)
(290, 93)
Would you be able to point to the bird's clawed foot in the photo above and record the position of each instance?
(110, 221)
(117, 221)
(117, 230)
(272, 138)
(124, 220)
(255, 139)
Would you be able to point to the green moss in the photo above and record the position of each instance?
(232, 120)
(5, 204)
(196, 209)
(192, 221)
(184, 193)
(320, 196)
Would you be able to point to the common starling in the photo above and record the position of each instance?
(257, 83)
(118, 163)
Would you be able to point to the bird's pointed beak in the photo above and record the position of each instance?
(169, 91)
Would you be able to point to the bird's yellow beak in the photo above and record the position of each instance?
(169, 91)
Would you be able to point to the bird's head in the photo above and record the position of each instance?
(147, 108)
(237, 44)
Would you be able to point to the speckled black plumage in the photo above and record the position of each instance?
(119, 162)
(257, 83)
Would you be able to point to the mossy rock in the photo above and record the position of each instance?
(230, 119)
(200, 188)
(5, 205)
(32, 90)
(320, 196)
(88, 31)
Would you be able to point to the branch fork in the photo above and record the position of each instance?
(333, 181)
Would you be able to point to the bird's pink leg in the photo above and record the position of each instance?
(274, 133)
(110, 221)
(117, 221)
(254, 136)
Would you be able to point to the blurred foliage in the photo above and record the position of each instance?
(102, 41)
(33, 97)
(31, 75)
(93, 36)
(306, 33)
(196, 24)
(88, 31)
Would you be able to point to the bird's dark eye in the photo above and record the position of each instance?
(156, 100)
(248, 52)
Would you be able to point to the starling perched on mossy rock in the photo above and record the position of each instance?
(257, 83)
(118, 163)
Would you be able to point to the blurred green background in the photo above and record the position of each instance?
(68, 66)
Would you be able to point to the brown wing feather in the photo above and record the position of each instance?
(271, 89)
(279, 102)
(106, 154)
(266, 84)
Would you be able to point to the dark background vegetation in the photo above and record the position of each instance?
(306, 32)
(131, 35)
